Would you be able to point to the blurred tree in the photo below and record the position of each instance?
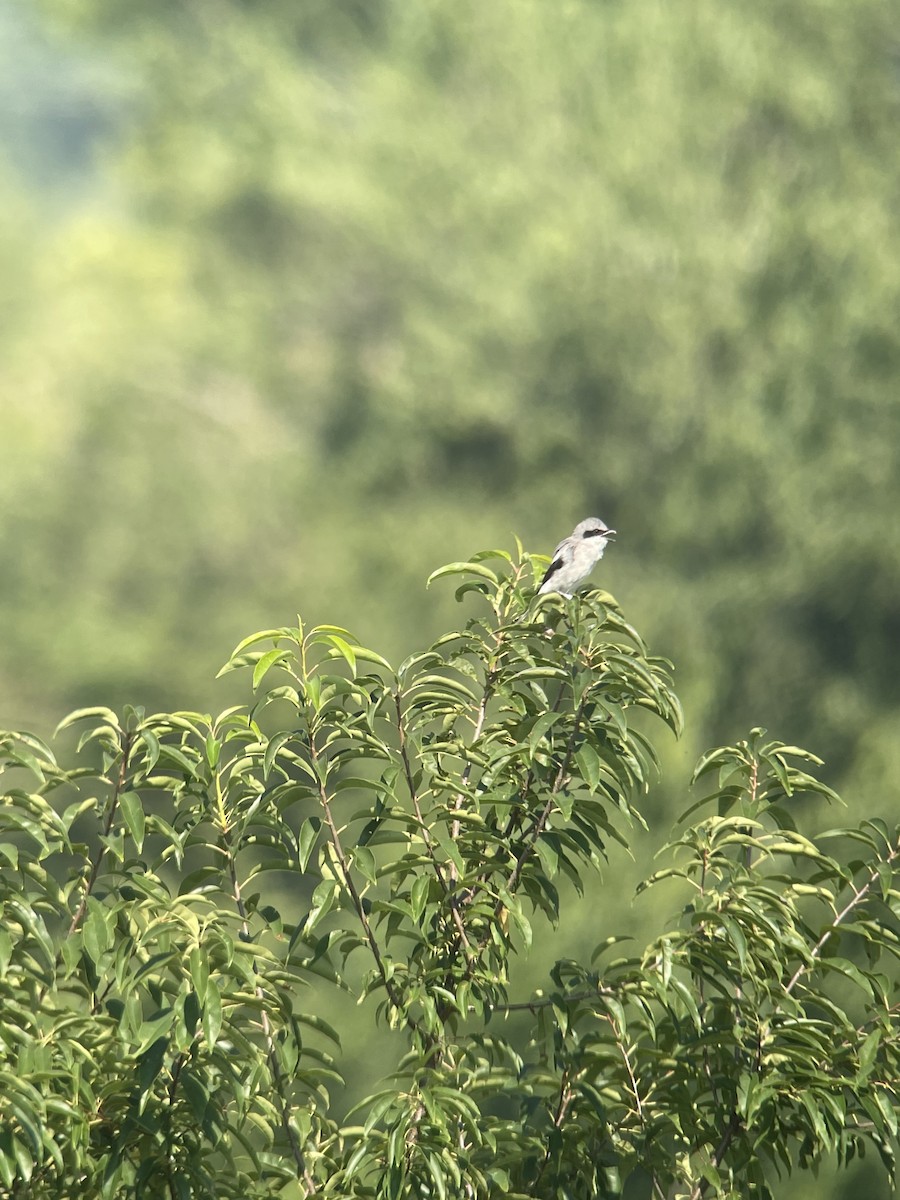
(551, 260)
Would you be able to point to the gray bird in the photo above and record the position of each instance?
(576, 556)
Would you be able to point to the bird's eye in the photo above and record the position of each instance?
(593, 533)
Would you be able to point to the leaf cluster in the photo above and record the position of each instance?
(158, 1036)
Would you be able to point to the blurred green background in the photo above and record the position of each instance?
(300, 301)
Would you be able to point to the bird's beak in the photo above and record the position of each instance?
(610, 533)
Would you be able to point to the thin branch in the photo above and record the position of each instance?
(632, 1079)
(515, 817)
(858, 896)
(281, 1088)
(430, 1039)
(426, 834)
(350, 884)
(177, 1065)
(541, 823)
(734, 1124)
(550, 1001)
(489, 680)
(467, 769)
(566, 1095)
(100, 852)
(734, 1121)
(635, 1091)
(753, 790)
(855, 900)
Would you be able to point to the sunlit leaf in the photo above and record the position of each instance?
(462, 568)
(133, 814)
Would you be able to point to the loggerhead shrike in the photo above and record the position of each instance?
(576, 556)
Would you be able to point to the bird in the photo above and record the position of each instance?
(576, 556)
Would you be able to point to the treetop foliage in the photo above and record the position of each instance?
(179, 902)
(468, 268)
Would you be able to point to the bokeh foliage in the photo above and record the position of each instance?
(359, 278)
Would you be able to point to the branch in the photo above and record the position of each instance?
(100, 853)
(430, 1039)
(426, 832)
(344, 863)
(699, 1189)
(566, 1096)
(551, 1001)
(635, 1091)
(541, 823)
(297, 1154)
(515, 817)
(490, 677)
(855, 900)
(467, 769)
(632, 1080)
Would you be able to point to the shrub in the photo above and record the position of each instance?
(158, 1034)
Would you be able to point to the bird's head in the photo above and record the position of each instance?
(593, 530)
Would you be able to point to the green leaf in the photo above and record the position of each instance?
(265, 664)
(867, 1053)
(152, 1030)
(171, 755)
(96, 933)
(364, 861)
(437, 685)
(540, 727)
(845, 967)
(24, 1158)
(151, 743)
(885, 874)
(212, 1015)
(462, 568)
(324, 898)
(589, 764)
(274, 744)
(313, 687)
(736, 936)
(549, 858)
(364, 654)
(344, 649)
(419, 896)
(150, 1064)
(195, 1090)
(888, 1110)
(267, 635)
(306, 840)
(617, 1013)
(83, 714)
(199, 969)
(133, 812)
(473, 585)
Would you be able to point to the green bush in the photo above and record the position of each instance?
(158, 1030)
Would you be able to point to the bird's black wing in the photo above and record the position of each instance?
(551, 570)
